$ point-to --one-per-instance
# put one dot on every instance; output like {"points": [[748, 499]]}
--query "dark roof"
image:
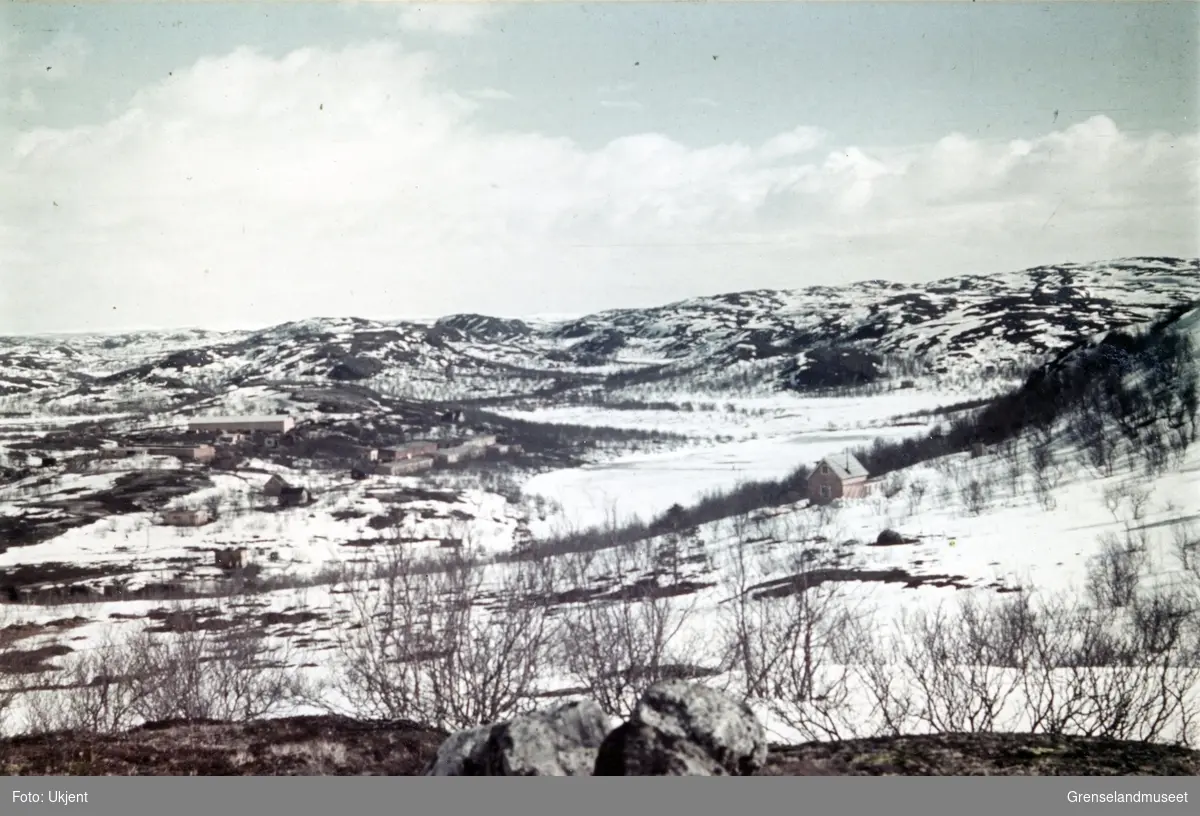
{"points": [[845, 466]]}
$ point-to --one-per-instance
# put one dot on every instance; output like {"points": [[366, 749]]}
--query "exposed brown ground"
{"points": [[339, 746]]}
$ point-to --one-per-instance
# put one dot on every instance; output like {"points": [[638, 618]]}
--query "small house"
{"points": [[977, 450], [232, 558], [274, 485], [402, 467], [186, 517], [195, 453], [481, 441], [837, 477], [409, 450], [294, 496], [454, 455]]}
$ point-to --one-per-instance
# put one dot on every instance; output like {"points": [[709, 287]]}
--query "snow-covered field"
{"points": [[645, 485], [768, 438], [296, 542]]}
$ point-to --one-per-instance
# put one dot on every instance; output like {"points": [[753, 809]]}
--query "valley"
{"points": [[643, 473]]}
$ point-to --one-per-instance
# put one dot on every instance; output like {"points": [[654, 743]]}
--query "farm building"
{"points": [[458, 453], [837, 477], [294, 496], [401, 467], [368, 454], [231, 558], [196, 453], [244, 424], [481, 441], [409, 450], [274, 485], [185, 517]]}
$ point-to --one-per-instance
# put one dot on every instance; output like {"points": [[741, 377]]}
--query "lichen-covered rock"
{"points": [[455, 753], [558, 742], [682, 729]]}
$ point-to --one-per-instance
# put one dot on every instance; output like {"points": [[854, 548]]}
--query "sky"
{"points": [[215, 165]]}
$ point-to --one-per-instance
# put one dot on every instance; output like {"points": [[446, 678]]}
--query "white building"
{"points": [[243, 424]]}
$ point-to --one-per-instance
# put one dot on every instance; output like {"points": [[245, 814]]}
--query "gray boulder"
{"points": [[558, 742], [682, 729]]}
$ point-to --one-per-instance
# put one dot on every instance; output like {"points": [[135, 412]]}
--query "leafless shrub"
{"points": [[1102, 676], [205, 667], [975, 494], [960, 666], [1014, 468], [743, 621], [96, 693], [1042, 665], [10, 684], [436, 645], [1115, 572], [197, 672], [1113, 495], [792, 654], [1161, 620], [1185, 542], [917, 489], [1043, 493], [814, 638], [1046, 471], [1127, 502], [1139, 502], [893, 485], [1127, 687], [632, 637], [884, 683]]}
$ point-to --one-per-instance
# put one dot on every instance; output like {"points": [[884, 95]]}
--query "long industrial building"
{"points": [[246, 424]]}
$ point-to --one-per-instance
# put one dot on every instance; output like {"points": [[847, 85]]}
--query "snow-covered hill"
{"points": [[793, 339]]}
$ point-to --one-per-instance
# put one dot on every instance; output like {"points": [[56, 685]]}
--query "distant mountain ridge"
{"points": [[797, 339]]}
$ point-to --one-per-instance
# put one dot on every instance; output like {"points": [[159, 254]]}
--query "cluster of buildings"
{"points": [[226, 430], [414, 457]]}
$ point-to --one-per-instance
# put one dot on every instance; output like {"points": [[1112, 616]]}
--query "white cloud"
{"points": [[621, 104], [786, 145], [23, 101], [249, 190], [449, 17], [492, 95]]}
